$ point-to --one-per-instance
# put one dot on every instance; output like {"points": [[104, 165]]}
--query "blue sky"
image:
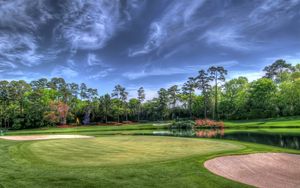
{"points": [[154, 43]]}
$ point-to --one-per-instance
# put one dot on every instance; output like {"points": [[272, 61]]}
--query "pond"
{"points": [[273, 139]]}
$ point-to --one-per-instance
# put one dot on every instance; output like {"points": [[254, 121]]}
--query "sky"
{"points": [[149, 43]]}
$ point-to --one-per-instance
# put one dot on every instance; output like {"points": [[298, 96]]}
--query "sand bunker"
{"points": [[260, 170], [43, 137]]}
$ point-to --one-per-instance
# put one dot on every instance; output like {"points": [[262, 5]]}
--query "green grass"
{"points": [[118, 161], [272, 131], [287, 122], [85, 129]]}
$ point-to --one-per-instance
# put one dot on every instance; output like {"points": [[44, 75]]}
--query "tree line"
{"points": [[207, 95]]}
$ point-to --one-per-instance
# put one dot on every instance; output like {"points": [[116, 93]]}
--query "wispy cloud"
{"points": [[63, 71], [20, 20], [91, 24], [19, 49], [93, 60], [170, 26], [18, 14], [146, 72], [227, 36], [270, 13], [250, 75], [103, 69], [101, 74]]}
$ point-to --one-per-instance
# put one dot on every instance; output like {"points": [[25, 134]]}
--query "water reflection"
{"points": [[204, 133], [286, 141]]}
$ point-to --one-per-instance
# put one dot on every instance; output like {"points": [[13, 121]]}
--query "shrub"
{"points": [[182, 125], [208, 123]]}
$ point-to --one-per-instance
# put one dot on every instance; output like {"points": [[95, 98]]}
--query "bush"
{"points": [[17, 124], [209, 123], [182, 125]]}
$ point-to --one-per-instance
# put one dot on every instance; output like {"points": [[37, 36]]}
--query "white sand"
{"points": [[42, 137], [275, 170]]}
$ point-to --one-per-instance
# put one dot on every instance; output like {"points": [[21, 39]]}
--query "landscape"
{"points": [[140, 93]]}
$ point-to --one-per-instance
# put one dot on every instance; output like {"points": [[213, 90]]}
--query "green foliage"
{"points": [[189, 124], [28, 105]]}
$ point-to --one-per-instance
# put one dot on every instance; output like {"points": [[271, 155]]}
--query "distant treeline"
{"points": [[51, 102]]}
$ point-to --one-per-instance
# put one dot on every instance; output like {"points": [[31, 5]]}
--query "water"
{"points": [[285, 141]]}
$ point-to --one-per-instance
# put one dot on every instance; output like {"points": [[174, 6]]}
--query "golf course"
{"points": [[149, 93], [120, 156]]}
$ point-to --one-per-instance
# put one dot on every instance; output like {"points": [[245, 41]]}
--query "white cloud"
{"points": [[93, 60], [18, 41], [90, 24], [19, 49], [227, 36], [174, 70], [17, 14], [157, 72], [292, 59], [101, 74], [63, 71], [250, 75], [269, 13], [177, 20]]}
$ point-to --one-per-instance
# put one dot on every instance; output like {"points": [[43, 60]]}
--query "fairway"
{"points": [[118, 150]]}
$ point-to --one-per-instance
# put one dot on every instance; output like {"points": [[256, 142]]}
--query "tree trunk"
{"points": [[139, 113], [215, 116], [190, 106], [205, 110]]}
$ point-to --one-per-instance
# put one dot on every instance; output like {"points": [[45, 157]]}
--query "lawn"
{"points": [[287, 122], [271, 131], [90, 129], [118, 161]]}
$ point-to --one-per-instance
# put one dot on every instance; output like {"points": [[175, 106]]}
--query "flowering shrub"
{"points": [[208, 123]]}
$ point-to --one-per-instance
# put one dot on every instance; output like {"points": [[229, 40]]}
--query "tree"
{"points": [[297, 67], [262, 98], [105, 102], [203, 84], [134, 105], [218, 75], [141, 98], [234, 98], [4, 99], [275, 70], [189, 89], [288, 98], [163, 103], [173, 92], [120, 93]]}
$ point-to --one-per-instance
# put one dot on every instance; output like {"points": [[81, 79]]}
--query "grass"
{"points": [[92, 129], [118, 161], [282, 131], [117, 150], [286, 122], [128, 161]]}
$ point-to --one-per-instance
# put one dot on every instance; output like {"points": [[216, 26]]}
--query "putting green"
{"points": [[116, 150]]}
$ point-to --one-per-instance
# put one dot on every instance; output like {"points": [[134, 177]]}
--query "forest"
{"points": [[53, 102]]}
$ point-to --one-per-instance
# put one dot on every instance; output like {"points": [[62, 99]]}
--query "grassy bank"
{"points": [[286, 122]]}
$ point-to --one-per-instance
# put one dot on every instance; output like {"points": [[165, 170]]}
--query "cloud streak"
{"points": [[171, 26], [89, 25]]}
